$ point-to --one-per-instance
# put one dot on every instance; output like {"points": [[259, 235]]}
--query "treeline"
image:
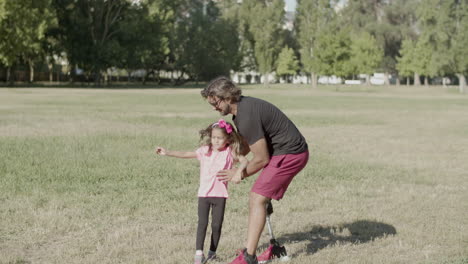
{"points": [[201, 39]]}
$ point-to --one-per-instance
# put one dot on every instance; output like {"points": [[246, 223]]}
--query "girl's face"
{"points": [[218, 139]]}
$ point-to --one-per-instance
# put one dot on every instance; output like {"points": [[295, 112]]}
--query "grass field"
{"points": [[387, 181]]}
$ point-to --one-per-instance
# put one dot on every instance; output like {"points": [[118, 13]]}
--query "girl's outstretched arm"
{"points": [[177, 154]]}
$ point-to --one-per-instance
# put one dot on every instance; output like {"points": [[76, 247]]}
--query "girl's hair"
{"points": [[233, 138]]}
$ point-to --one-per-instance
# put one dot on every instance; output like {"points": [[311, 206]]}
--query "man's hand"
{"points": [[226, 175], [237, 178]]}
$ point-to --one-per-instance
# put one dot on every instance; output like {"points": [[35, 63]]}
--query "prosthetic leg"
{"points": [[274, 250]]}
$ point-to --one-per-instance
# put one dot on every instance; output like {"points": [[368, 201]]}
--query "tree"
{"points": [[312, 18], [206, 45], [144, 38], [89, 32], [334, 53], [387, 21], [287, 63], [399, 25], [247, 42], [406, 60], [459, 48], [421, 61], [431, 38], [264, 20], [366, 55], [446, 31], [23, 25]]}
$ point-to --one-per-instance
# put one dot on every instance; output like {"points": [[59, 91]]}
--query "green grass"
{"points": [[79, 181]]}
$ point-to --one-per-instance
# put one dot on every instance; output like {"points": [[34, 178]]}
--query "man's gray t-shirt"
{"points": [[257, 119]]}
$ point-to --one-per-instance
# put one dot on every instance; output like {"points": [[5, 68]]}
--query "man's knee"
{"points": [[258, 199]]}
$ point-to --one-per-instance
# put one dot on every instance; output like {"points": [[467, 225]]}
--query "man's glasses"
{"points": [[215, 103]]}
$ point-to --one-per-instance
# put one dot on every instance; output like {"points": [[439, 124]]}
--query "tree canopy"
{"points": [[201, 39]]}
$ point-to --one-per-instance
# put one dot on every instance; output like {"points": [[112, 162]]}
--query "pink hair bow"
{"points": [[223, 124]]}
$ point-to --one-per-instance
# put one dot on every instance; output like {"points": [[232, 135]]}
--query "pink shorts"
{"points": [[278, 174]]}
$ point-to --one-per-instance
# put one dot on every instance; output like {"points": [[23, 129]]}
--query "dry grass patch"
{"points": [[79, 182]]}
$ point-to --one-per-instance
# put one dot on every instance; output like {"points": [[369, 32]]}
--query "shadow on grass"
{"points": [[320, 237]]}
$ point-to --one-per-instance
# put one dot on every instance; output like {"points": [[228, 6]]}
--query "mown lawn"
{"points": [[387, 181]]}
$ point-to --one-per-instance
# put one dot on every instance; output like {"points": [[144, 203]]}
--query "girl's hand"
{"points": [[161, 151]]}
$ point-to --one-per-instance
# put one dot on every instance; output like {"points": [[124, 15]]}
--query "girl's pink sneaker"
{"points": [[211, 255], [199, 259]]}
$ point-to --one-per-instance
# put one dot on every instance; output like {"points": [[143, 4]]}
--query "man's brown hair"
{"points": [[223, 88]]}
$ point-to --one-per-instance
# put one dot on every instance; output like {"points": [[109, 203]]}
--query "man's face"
{"points": [[219, 105]]}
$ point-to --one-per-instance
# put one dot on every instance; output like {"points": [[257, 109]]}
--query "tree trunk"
{"points": [[158, 77], [368, 80], [426, 81], [72, 74], [417, 81], [179, 81], [386, 78], [59, 70], [444, 82], [462, 81], [11, 75], [106, 78], [144, 78], [265, 80], [398, 83], [50, 67], [31, 71], [97, 78], [314, 80], [8, 73], [407, 81]]}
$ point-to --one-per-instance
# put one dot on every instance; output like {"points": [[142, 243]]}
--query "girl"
{"points": [[220, 149]]}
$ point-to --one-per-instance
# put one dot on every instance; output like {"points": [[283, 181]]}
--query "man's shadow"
{"points": [[320, 237]]}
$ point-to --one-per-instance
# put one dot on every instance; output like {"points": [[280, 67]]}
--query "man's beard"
{"points": [[226, 111]]}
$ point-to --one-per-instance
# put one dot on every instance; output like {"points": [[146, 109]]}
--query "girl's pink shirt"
{"points": [[210, 186]]}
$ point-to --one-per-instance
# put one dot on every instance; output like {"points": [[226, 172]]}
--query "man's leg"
{"points": [[257, 216]]}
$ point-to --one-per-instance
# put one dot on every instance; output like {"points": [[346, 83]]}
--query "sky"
{"points": [[290, 5]]}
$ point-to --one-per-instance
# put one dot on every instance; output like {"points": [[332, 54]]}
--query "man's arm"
{"points": [[260, 159], [245, 147], [240, 171]]}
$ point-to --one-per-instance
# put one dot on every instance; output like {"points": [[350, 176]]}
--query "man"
{"points": [[277, 147]]}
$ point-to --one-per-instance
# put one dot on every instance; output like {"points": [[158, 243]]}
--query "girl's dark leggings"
{"points": [[217, 206]]}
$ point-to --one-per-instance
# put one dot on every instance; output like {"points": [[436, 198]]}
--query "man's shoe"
{"points": [[266, 256], [244, 258]]}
